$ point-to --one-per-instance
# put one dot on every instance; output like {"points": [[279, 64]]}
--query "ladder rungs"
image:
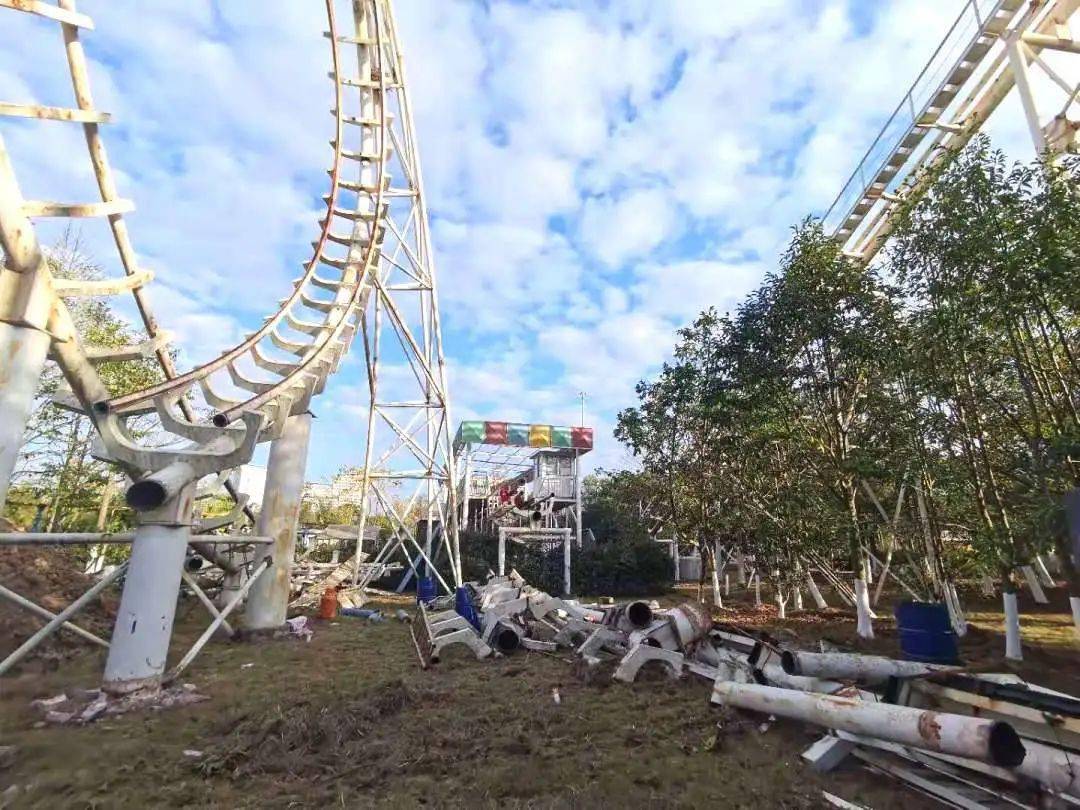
{"points": [[137, 351], [41, 208], [347, 40], [49, 11], [108, 286], [54, 113]]}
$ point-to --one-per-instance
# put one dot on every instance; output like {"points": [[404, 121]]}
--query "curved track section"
{"points": [[275, 371]]}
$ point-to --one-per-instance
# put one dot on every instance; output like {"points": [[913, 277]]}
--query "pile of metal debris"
{"points": [[969, 740]]}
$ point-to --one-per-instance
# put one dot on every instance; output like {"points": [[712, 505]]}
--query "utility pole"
{"points": [[582, 395]]}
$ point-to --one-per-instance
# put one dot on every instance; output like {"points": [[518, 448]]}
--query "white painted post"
{"points": [[727, 584], [1033, 583], [577, 501], [819, 600], [502, 553], [143, 628], [716, 574], [566, 563], [22, 353], [1043, 572], [1013, 648], [757, 589], [1019, 65], [268, 599], [26, 301]]}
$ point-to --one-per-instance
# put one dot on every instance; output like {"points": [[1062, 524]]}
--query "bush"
{"points": [[623, 568]]}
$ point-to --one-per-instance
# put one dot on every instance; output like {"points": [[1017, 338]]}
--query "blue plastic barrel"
{"points": [[926, 633], [426, 589], [464, 606]]}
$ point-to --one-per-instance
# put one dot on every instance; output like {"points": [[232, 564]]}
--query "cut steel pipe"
{"points": [[155, 490], [872, 670], [986, 740]]}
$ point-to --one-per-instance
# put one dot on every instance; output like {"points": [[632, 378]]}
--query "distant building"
{"points": [[345, 488]]}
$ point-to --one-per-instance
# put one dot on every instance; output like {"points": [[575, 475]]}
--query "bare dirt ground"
{"points": [[350, 720]]}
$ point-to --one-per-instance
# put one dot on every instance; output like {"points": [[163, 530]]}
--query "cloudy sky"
{"points": [[597, 171]]}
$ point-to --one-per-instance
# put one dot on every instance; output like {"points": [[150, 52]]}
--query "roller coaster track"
{"points": [[985, 54], [323, 326], [371, 260]]}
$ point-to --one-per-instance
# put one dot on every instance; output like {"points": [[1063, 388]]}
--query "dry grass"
{"points": [[350, 720]]}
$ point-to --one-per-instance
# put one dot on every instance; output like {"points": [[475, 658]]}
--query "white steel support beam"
{"points": [[140, 639], [1019, 64], [26, 301], [268, 600]]}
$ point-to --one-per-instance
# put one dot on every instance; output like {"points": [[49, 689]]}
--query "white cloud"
{"points": [[597, 172]]}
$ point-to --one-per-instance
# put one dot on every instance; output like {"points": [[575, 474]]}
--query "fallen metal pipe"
{"points": [[1055, 768], [505, 638], [692, 622], [57, 621], [986, 740], [775, 675], [867, 669], [48, 615], [98, 538], [639, 614]]}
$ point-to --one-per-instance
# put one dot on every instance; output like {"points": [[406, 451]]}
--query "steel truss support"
{"points": [[408, 440]]}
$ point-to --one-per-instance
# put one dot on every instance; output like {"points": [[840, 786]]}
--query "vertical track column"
{"points": [[143, 628], [26, 302], [22, 358], [268, 600]]}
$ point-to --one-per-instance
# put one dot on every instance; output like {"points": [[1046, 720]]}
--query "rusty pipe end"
{"points": [[1006, 748], [220, 420]]}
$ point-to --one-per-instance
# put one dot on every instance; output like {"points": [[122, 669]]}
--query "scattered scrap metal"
{"points": [[968, 740]]}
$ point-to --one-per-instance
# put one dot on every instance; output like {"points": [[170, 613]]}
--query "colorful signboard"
{"points": [[519, 435]]}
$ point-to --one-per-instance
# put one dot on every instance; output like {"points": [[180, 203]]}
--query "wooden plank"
{"points": [[41, 208], [54, 113], [50, 12]]}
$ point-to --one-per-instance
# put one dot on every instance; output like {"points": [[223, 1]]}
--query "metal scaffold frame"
{"points": [[212, 417]]}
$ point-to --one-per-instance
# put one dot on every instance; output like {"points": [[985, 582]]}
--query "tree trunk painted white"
{"points": [[868, 570], [798, 598], [1013, 649], [757, 589], [1074, 603], [741, 568], [865, 627], [819, 600], [1044, 575], [716, 574], [727, 584], [956, 611], [781, 604], [1033, 584]]}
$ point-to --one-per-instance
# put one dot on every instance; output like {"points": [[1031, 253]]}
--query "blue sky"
{"points": [[597, 172]]}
